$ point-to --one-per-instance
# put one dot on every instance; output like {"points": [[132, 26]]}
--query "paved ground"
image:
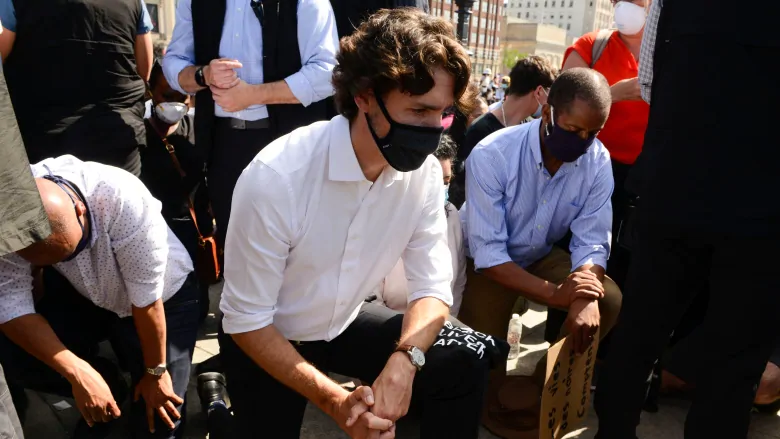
{"points": [[46, 421]]}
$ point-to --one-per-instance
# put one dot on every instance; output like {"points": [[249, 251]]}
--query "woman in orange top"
{"points": [[624, 132]]}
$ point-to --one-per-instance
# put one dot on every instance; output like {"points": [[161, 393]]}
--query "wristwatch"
{"points": [[157, 371], [199, 78], [416, 356]]}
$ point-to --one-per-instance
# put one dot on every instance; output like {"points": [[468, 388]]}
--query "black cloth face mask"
{"points": [[405, 147], [63, 184]]}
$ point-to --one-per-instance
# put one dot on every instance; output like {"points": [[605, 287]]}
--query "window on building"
{"points": [[545, 4], [528, 5], [154, 14], [526, 14], [568, 26], [536, 4], [473, 38], [591, 4], [553, 4], [571, 3], [519, 14], [569, 17], [560, 25]]}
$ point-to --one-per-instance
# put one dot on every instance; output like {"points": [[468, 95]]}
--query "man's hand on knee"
{"points": [[578, 285], [93, 396], [583, 323]]}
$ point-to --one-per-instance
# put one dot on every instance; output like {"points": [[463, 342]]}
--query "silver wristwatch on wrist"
{"points": [[158, 370], [416, 355]]}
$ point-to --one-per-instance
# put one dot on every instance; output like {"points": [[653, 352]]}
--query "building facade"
{"points": [[484, 33], [526, 38], [577, 17], [163, 15]]}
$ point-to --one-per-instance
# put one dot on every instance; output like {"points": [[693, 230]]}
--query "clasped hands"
{"points": [[229, 91], [579, 294], [371, 412]]}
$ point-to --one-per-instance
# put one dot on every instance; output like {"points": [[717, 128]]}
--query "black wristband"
{"points": [[199, 78]]}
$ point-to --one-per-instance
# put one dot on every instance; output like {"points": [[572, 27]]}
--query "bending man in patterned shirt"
{"points": [[113, 271]]}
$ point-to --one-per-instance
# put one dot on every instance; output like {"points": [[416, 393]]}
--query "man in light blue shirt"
{"points": [[259, 69], [526, 187]]}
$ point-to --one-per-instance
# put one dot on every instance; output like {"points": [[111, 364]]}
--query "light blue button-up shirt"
{"points": [[242, 39], [515, 211]]}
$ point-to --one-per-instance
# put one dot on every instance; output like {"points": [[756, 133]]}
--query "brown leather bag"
{"points": [[206, 261]]}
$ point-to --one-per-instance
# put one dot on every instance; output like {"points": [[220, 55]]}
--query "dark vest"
{"points": [[280, 32], [72, 77]]}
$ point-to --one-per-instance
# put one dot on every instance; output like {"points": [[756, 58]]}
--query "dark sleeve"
{"points": [[474, 135], [23, 220]]}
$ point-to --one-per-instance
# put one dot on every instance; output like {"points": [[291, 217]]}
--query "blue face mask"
{"points": [[538, 112], [566, 146], [63, 183]]}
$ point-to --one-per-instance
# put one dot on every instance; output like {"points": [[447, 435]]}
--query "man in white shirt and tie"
{"points": [[113, 271], [320, 217]]}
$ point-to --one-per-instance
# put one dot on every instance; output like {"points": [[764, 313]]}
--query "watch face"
{"points": [[418, 358]]}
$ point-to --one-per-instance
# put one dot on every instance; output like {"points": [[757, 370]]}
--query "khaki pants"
{"points": [[487, 306]]}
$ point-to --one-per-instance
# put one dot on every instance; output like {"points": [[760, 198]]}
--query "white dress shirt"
{"points": [[393, 291], [310, 237], [133, 257]]}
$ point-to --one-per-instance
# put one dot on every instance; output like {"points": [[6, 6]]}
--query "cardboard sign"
{"points": [[566, 394]]}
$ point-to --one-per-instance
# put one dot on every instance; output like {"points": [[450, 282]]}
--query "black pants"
{"points": [[668, 270], [232, 152], [448, 390], [80, 325], [617, 267]]}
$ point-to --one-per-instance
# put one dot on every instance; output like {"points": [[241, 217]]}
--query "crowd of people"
{"points": [[375, 212]]}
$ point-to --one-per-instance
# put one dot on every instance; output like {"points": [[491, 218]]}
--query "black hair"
{"points": [[447, 149], [529, 73], [582, 84]]}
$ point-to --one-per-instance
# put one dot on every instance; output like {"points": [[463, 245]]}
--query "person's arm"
{"points": [[8, 30], [486, 177], [590, 243], [32, 333], [179, 60], [317, 43], [625, 90], [428, 267], [143, 44], [592, 228], [137, 228], [144, 55]]}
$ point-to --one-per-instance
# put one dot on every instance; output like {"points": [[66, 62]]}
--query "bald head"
{"points": [[581, 84], [64, 220]]}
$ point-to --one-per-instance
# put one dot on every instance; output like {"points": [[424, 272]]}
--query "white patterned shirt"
{"points": [[132, 259]]}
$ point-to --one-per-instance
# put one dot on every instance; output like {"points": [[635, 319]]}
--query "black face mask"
{"points": [[566, 146], [85, 237], [405, 147]]}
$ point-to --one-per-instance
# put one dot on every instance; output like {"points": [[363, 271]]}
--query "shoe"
{"points": [[211, 389], [213, 364]]}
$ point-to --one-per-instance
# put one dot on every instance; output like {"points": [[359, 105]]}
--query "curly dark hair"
{"points": [[398, 49], [447, 150]]}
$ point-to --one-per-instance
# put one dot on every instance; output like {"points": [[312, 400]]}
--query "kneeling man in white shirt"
{"points": [[320, 217]]}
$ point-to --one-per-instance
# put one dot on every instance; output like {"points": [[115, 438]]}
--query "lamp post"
{"points": [[464, 16]]}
